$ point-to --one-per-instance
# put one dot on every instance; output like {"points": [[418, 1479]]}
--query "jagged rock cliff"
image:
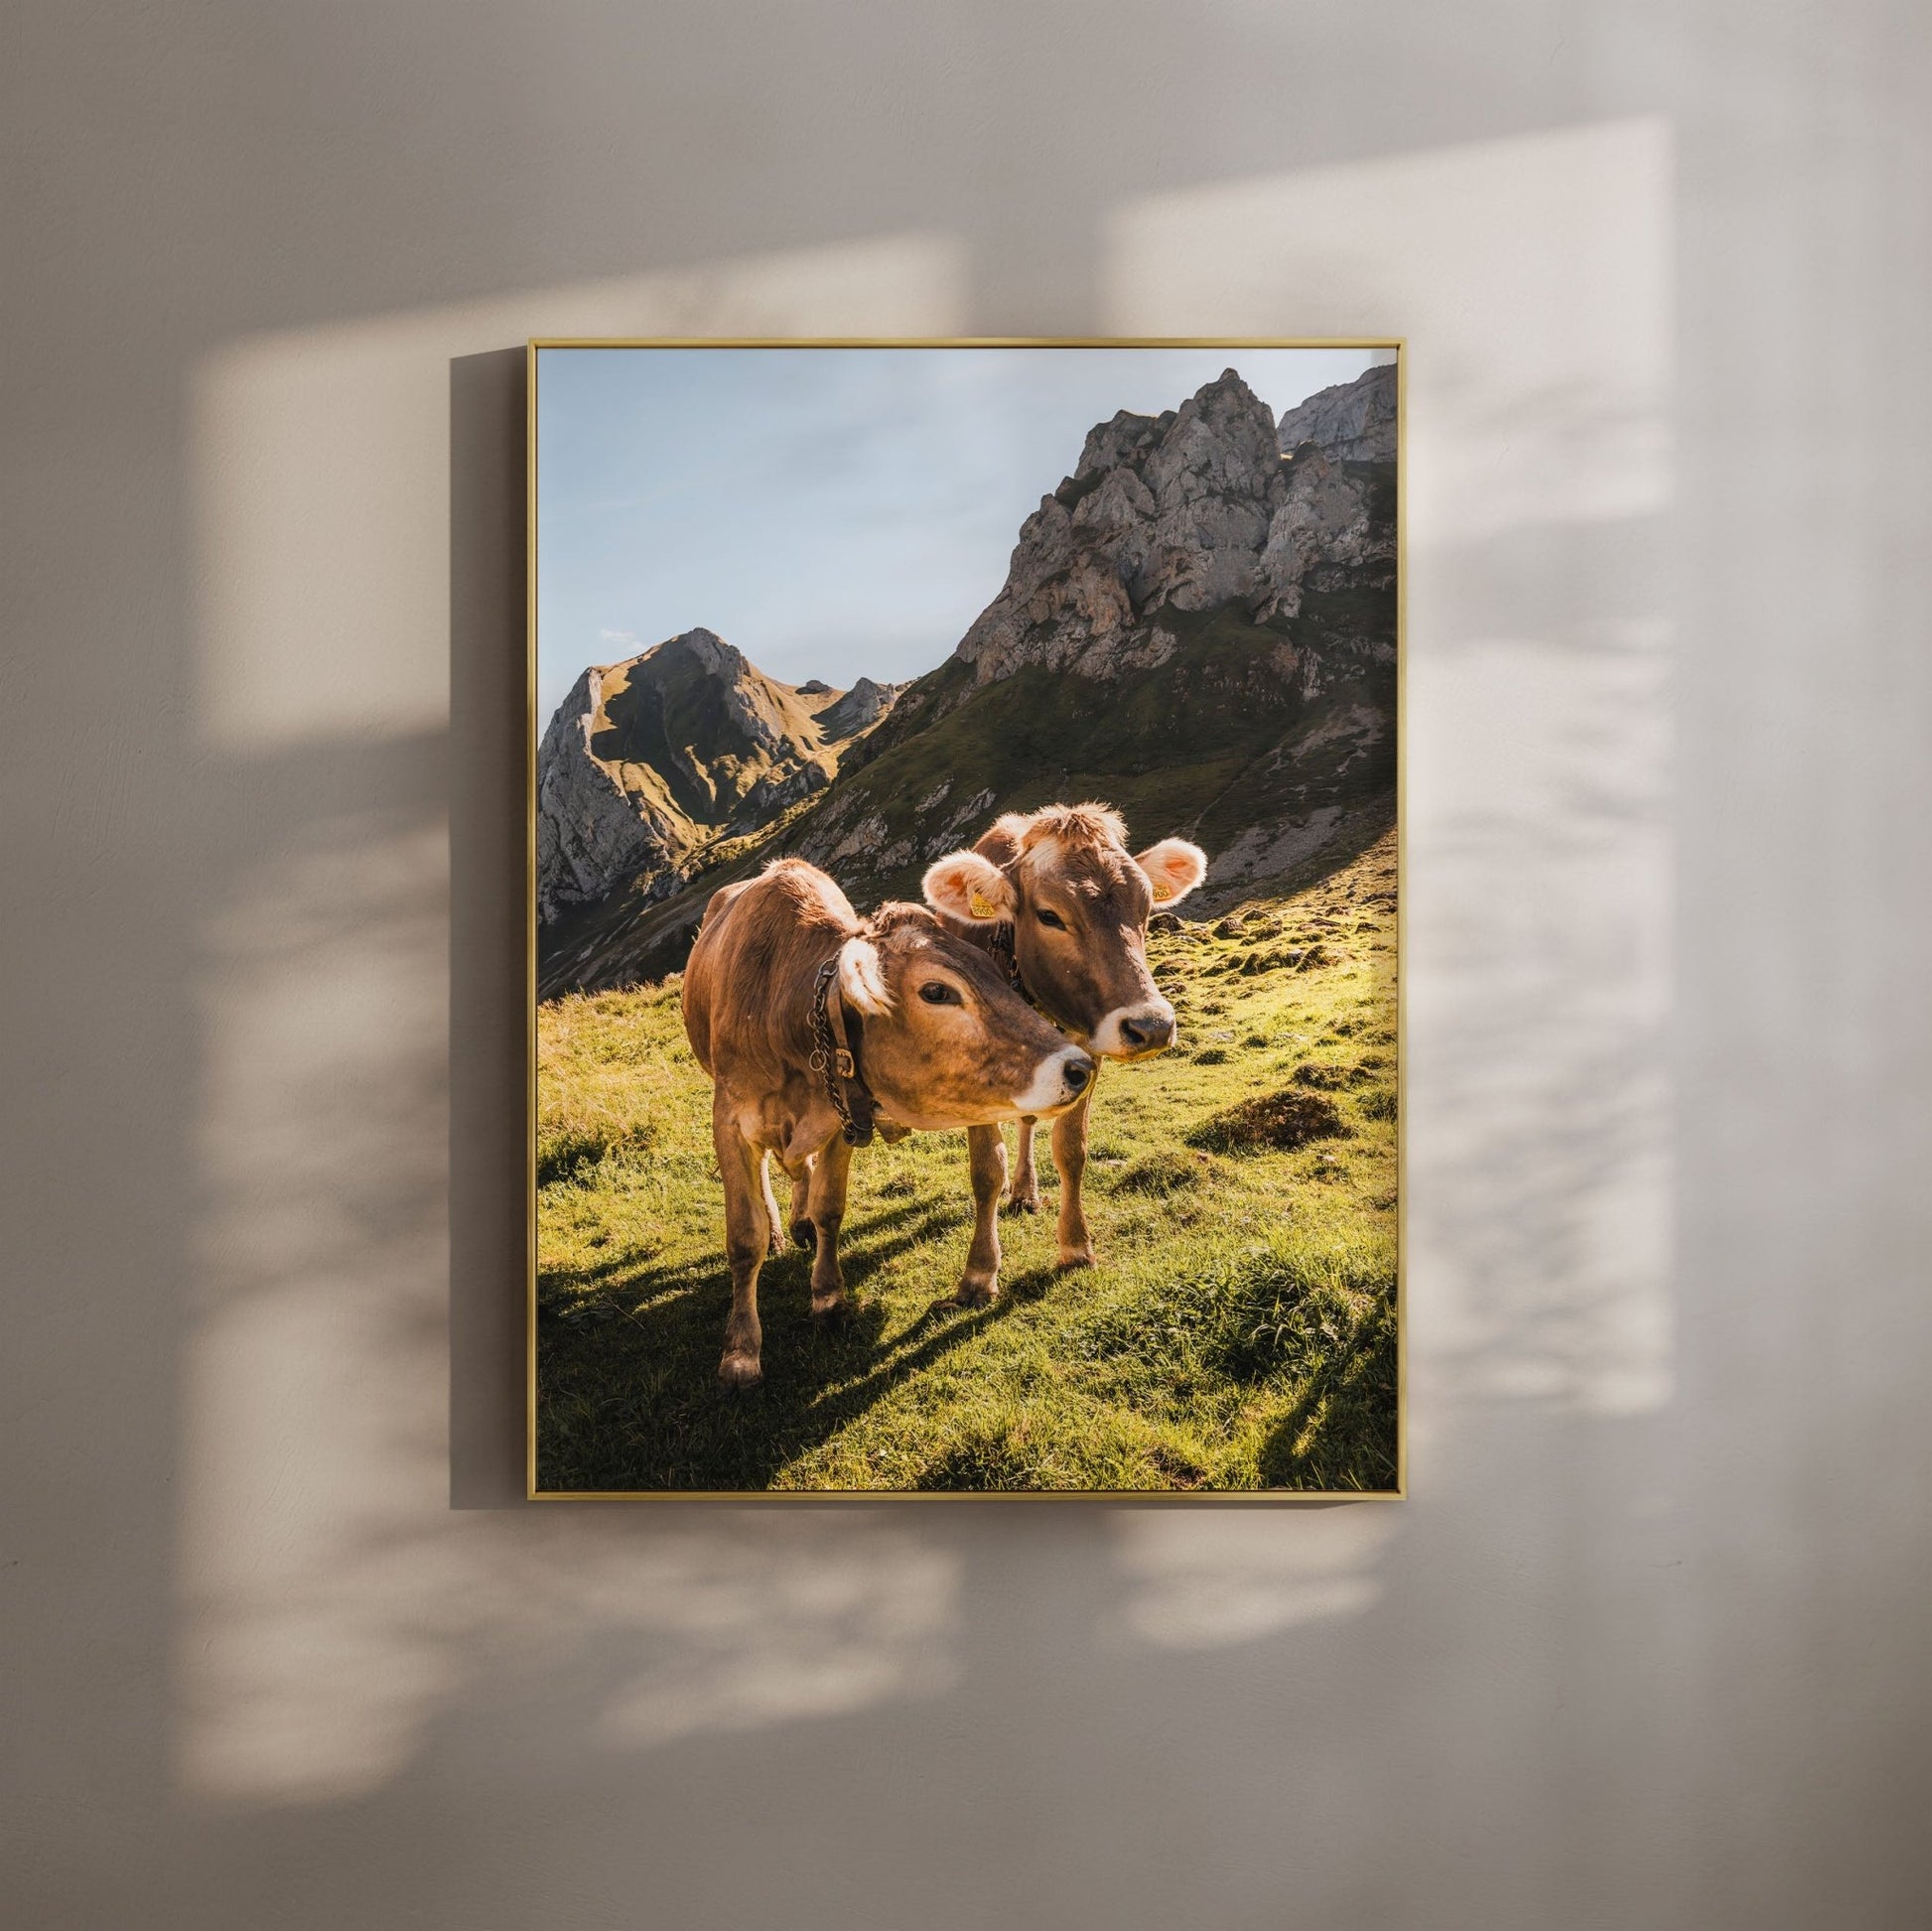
{"points": [[1353, 422], [651, 762], [1191, 510]]}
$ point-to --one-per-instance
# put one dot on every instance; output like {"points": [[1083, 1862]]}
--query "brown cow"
{"points": [[808, 1020], [1056, 895]]}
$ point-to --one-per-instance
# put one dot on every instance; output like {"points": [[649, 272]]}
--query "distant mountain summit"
{"points": [[1353, 420], [1195, 625], [1191, 511], [651, 762]]}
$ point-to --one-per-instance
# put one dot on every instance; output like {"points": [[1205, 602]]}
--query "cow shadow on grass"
{"points": [[932, 1218], [628, 1389]]}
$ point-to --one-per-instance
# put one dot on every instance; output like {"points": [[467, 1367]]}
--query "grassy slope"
{"points": [[1187, 746], [1238, 1332]]}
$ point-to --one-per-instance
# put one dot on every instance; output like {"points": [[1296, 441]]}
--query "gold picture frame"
{"points": [[533, 727]]}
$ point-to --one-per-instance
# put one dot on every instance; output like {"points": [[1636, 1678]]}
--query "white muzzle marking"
{"points": [[1155, 1015], [1052, 1087]]}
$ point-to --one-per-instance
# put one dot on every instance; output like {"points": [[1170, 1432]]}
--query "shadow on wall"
{"points": [[351, 1647]]}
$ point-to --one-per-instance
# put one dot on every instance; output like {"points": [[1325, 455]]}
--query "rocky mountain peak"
{"points": [[1188, 510], [712, 654], [1221, 438], [649, 761], [1349, 422]]}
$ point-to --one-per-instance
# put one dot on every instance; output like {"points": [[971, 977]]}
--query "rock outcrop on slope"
{"points": [[1186, 511], [1352, 422], [854, 713], [650, 762]]}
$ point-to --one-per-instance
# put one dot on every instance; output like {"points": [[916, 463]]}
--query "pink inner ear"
{"points": [[968, 886], [1175, 868]]}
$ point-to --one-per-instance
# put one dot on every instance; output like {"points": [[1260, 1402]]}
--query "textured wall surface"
{"points": [[1646, 1648]]}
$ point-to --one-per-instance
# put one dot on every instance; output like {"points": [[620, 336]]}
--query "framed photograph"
{"points": [[965, 894]]}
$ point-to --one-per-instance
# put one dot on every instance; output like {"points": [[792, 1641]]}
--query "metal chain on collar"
{"points": [[830, 1061]]}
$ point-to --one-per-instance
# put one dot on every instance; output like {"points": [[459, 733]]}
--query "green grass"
{"points": [[1237, 1334]]}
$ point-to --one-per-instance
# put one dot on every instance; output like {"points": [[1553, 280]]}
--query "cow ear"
{"points": [[1173, 868], [971, 889], [862, 979]]}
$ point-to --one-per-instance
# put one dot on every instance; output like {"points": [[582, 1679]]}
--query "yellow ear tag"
{"points": [[981, 906], [1163, 892]]}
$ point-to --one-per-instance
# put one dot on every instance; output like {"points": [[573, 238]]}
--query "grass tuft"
{"points": [[1320, 1075], [1165, 1171]]}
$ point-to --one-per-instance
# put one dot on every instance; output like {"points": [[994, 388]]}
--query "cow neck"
{"points": [[836, 1039], [1004, 943]]}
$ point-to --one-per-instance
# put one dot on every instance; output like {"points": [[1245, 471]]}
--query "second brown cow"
{"points": [[1059, 898], [811, 1020]]}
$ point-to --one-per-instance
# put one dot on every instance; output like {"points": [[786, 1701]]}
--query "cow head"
{"points": [[948, 1042], [1078, 902]]}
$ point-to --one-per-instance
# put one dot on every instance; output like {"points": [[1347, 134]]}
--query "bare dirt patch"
{"points": [[1279, 1120]]}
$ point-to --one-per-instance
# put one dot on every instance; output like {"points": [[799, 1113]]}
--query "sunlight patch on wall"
{"points": [[316, 1621], [745, 1641], [333, 1606], [1531, 278], [1203, 1581], [321, 482]]}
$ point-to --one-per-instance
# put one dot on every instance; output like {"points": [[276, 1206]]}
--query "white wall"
{"points": [[1646, 1647]]}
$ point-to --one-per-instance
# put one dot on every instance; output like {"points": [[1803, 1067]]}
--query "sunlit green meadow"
{"points": [[1239, 1331]]}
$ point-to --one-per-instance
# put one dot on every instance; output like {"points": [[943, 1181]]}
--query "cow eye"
{"points": [[935, 991], [1051, 919]]}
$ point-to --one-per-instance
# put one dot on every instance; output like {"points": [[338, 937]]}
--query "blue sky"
{"points": [[831, 512]]}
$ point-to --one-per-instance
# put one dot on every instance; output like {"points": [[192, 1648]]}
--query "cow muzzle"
{"points": [[1062, 1077], [1135, 1032]]}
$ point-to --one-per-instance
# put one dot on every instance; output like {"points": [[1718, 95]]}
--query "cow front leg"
{"points": [[1022, 1197], [1071, 1157], [777, 1246], [980, 1284], [826, 1204], [747, 1237]]}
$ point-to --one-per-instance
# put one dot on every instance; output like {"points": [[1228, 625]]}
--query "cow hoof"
{"points": [[1022, 1203], [1076, 1257], [972, 1293], [777, 1248], [803, 1236], [738, 1373], [829, 1307]]}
